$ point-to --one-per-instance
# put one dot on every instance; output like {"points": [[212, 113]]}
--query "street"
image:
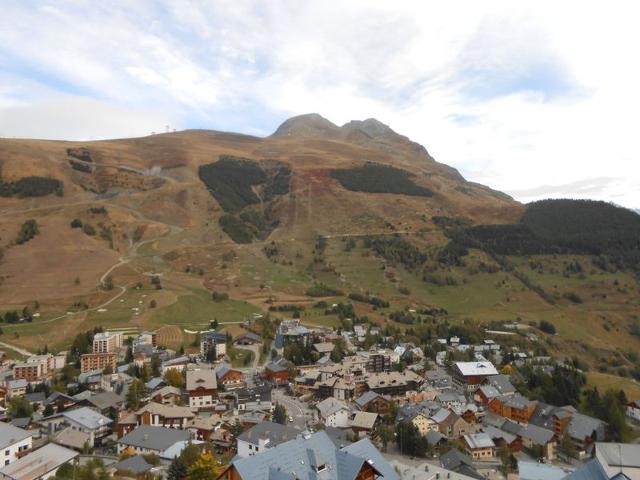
{"points": [[301, 414]]}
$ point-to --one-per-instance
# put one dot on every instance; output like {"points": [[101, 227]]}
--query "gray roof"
{"points": [[35, 397], [329, 406], [136, 465], [366, 397], [10, 435], [541, 471], [154, 383], [301, 457], [274, 432], [106, 400], [340, 437], [38, 463], [454, 459], [495, 433], [539, 435], [201, 379], [502, 383], [591, 470], [434, 437], [154, 438], [583, 426], [88, 418]]}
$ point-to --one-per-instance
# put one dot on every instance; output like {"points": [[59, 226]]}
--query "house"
{"points": [[291, 331], [276, 372], [14, 443], [582, 429], [176, 449], [39, 464], [107, 403], [451, 424], [155, 383], [503, 438], [364, 423], [16, 388], [228, 377], [371, 401], [179, 363], [528, 470], [60, 401], [309, 456], [248, 338], [435, 439], [167, 395], [324, 348], [538, 438], [130, 467], [83, 419], [333, 412], [471, 375], [460, 463], [151, 439], [159, 415], [633, 410], [213, 345], [485, 394], [262, 436], [611, 461], [202, 428], [394, 383], [480, 446], [502, 383], [514, 407], [74, 439], [423, 423], [202, 388]]}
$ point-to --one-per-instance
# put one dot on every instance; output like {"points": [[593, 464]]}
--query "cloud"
{"points": [[514, 94], [78, 118]]}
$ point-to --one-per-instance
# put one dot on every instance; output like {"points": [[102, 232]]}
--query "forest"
{"points": [[376, 178], [30, 187]]}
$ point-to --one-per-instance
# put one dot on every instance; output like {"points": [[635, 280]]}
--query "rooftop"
{"points": [[469, 369], [38, 463]]}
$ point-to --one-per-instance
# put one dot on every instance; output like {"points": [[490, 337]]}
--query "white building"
{"points": [[262, 436], [39, 464], [334, 413], [14, 443], [633, 410], [107, 342]]}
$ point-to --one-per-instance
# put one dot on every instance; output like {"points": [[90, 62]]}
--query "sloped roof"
{"points": [[329, 406], [136, 465], [274, 432], [72, 438], [201, 379], [84, 416], [364, 420], [154, 438], [10, 434], [38, 463]]}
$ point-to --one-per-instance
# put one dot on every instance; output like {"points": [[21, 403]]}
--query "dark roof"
{"points": [[22, 422], [338, 436], [249, 336], [154, 438], [275, 432], [454, 458], [35, 397], [136, 465], [55, 396]]}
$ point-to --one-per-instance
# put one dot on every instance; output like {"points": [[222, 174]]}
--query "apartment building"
{"points": [[107, 342]]}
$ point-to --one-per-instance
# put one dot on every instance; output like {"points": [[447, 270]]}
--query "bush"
{"points": [[322, 290], [88, 229], [547, 327], [28, 230], [573, 297], [76, 223], [219, 296]]}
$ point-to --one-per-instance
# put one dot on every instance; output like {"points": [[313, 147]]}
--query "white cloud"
{"points": [[517, 95]]}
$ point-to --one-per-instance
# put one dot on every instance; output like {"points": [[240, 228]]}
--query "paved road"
{"points": [[300, 412], [253, 369]]}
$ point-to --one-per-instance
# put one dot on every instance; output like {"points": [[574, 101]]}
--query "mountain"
{"points": [[139, 233]]}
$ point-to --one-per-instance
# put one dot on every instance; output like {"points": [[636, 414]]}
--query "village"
{"points": [[385, 411]]}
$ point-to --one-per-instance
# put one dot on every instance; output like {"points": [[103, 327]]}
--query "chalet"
{"points": [[310, 455], [262, 436], [480, 446], [364, 423], [505, 439], [371, 401], [534, 437], [228, 377], [202, 388], [394, 383], [167, 395], [276, 372], [471, 375], [152, 439], [42, 463], [14, 443], [333, 413], [451, 424], [82, 419], [202, 428], [514, 407], [169, 416]]}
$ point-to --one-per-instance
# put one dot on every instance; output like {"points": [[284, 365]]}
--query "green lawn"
{"points": [[196, 309], [239, 357]]}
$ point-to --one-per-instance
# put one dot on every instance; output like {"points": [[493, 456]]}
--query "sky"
{"points": [[537, 99]]}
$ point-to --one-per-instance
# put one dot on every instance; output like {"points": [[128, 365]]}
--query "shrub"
{"points": [[547, 327], [322, 290], [88, 229], [76, 223], [30, 187], [28, 230], [219, 296]]}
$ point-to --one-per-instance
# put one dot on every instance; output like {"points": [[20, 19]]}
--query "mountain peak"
{"points": [[307, 125]]}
